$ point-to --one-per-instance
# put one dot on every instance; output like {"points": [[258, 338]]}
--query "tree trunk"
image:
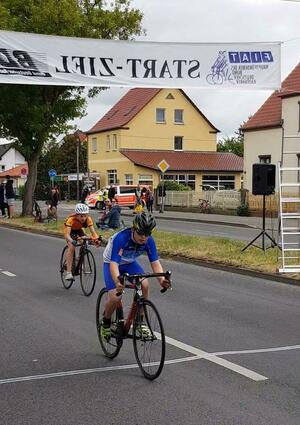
{"points": [[30, 185]]}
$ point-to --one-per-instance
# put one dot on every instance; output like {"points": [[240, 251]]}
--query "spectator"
{"points": [[111, 192], [10, 196], [150, 200], [111, 220], [3, 204], [85, 193], [54, 200]]}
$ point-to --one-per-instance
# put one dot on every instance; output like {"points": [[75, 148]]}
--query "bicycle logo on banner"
{"points": [[219, 71]]}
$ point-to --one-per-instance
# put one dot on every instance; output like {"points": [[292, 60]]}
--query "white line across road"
{"points": [[7, 273], [215, 359]]}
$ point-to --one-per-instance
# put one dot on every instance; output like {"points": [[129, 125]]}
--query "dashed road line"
{"points": [[8, 273]]}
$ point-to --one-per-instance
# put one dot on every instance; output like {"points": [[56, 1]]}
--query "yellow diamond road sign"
{"points": [[163, 166]]}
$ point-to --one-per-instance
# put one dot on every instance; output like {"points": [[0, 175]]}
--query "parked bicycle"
{"points": [[84, 266], [204, 205], [149, 349]]}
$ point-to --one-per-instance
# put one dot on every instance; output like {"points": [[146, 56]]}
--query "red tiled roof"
{"points": [[129, 106], [186, 161], [269, 114], [14, 172], [124, 110]]}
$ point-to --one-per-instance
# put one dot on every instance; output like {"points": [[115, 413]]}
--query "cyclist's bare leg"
{"points": [[69, 256], [111, 303], [145, 288]]}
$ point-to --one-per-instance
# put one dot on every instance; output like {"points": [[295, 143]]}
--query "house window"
{"points": [[160, 115], [178, 141], [108, 143], [114, 142], [178, 116], [128, 179], [186, 179], [2, 167], [145, 179], [264, 159], [112, 176], [94, 145], [218, 182]]}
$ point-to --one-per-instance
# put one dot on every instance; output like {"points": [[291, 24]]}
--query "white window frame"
{"points": [[112, 176], [94, 144], [114, 142], [107, 143], [158, 119], [128, 178], [264, 159], [178, 137], [180, 120]]}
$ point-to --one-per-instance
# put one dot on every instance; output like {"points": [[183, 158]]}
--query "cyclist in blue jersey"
{"points": [[120, 257]]}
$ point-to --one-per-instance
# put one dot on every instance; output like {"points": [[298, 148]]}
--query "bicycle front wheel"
{"points": [[88, 273], [110, 346], [149, 340], [63, 268]]}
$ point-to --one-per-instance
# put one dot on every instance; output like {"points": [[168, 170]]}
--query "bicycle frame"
{"points": [[138, 298]]}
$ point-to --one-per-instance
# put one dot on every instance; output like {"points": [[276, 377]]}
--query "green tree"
{"points": [[232, 144], [34, 115]]}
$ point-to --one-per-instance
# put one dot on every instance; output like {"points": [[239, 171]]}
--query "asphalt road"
{"points": [[185, 227], [232, 353]]}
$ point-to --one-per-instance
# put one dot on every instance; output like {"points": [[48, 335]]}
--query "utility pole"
{"points": [[77, 162]]}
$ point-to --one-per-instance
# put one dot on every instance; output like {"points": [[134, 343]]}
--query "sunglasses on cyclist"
{"points": [[143, 233]]}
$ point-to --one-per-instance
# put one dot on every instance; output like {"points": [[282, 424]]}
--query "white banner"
{"points": [[52, 60]]}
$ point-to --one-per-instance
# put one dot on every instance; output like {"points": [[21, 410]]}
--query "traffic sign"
{"points": [[52, 173], [163, 166], [23, 173]]}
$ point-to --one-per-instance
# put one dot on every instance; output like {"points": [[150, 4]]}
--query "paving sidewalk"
{"points": [[228, 220]]}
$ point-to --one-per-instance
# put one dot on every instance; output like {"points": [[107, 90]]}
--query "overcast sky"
{"points": [[215, 21]]}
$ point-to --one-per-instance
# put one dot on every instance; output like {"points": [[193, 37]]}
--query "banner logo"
{"points": [[20, 62], [239, 68]]}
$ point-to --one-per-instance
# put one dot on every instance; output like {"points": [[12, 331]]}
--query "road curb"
{"points": [[198, 220], [203, 263]]}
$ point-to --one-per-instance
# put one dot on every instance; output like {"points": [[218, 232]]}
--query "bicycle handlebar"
{"points": [[126, 276]]}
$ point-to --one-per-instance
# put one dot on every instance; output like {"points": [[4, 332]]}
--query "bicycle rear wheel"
{"points": [[88, 273], [149, 349], [63, 268], [112, 346]]}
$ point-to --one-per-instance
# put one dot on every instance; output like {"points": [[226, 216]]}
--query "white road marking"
{"points": [[259, 350], [215, 359], [85, 371], [8, 273]]}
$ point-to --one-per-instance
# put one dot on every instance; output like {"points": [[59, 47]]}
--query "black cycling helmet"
{"points": [[144, 223]]}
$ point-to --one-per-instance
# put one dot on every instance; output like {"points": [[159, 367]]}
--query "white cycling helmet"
{"points": [[81, 209]]}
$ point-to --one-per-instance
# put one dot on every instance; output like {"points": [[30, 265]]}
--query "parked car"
{"points": [[125, 194]]}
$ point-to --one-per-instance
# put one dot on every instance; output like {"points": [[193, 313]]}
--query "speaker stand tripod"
{"points": [[263, 234]]}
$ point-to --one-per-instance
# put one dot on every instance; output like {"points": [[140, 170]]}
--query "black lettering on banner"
{"points": [[24, 59], [179, 63], [79, 64], [92, 66], [165, 69], [64, 64], [6, 60], [149, 66], [194, 68], [107, 68], [133, 66]]}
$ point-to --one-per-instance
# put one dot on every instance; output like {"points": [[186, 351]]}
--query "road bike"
{"points": [[149, 348], [84, 266], [204, 205]]}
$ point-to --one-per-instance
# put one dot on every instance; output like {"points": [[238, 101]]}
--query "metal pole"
{"points": [[77, 161], [162, 192]]}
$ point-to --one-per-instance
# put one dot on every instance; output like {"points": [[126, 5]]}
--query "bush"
{"points": [[172, 185], [243, 210]]}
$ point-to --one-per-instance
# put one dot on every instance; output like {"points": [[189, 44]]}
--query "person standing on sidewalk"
{"points": [[3, 204], [10, 196]]}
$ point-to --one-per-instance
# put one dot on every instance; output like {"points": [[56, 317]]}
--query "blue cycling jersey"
{"points": [[122, 249]]}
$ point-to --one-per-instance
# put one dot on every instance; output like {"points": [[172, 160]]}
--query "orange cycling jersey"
{"points": [[73, 222]]}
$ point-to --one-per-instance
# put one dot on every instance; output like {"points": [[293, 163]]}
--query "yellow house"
{"points": [[149, 125]]}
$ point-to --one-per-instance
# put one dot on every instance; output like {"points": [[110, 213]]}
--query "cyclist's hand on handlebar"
{"points": [[164, 283], [74, 242]]}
